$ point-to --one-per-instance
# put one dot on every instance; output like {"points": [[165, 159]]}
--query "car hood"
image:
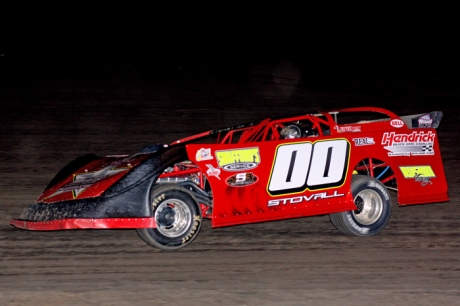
{"points": [[89, 176]]}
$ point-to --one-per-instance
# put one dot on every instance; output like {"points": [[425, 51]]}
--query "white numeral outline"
{"points": [[305, 165]]}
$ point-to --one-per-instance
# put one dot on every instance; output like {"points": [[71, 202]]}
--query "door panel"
{"points": [[274, 180]]}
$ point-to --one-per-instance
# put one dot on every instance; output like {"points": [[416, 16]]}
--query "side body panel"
{"points": [[415, 158], [275, 180], [272, 180]]}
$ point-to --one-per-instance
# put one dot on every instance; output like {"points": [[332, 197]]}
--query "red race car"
{"points": [[341, 163]]}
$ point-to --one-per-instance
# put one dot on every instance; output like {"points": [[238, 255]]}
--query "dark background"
{"points": [[372, 43], [84, 83]]}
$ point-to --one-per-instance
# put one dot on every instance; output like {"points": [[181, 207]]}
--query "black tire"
{"points": [[374, 208], [177, 216]]}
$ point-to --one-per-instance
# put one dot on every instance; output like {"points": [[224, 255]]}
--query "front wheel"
{"points": [[177, 217], [373, 211]]}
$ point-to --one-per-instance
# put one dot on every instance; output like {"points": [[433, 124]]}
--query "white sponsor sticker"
{"points": [[397, 123]]}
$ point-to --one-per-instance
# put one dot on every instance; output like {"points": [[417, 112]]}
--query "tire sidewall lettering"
{"points": [[157, 200], [195, 226], [359, 228]]}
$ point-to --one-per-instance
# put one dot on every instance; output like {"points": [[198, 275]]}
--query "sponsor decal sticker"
{"points": [[81, 181], [353, 129], [415, 143], [425, 121], [413, 171], [238, 159], [422, 174], [397, 123], [364, 141], [301, 199], [305, 165], [203, 154], [241, 179], [213, 171]]}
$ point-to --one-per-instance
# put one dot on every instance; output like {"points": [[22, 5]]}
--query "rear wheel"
{"points": [[177, 217], [373, 208]]}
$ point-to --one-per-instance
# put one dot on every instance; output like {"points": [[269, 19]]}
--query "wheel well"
{"points": [[378, 169]]}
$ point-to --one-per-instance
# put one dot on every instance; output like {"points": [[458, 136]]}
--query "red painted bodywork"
{"points": [[65, 224], [250, 191], [249, 204], [100, 175]]}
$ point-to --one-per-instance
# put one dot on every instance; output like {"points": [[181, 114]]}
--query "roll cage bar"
{"points": [[322, 123]]}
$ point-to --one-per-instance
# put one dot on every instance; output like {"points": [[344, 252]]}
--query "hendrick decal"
{"points": [[413, 144]]}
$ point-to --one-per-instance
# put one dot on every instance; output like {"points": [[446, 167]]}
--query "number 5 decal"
{"points": [[301, 166]]}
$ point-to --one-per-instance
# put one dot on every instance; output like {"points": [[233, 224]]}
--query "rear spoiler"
{"points": [[427, 120]]}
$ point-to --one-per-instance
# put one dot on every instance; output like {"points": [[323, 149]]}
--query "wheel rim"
{"points": [[173, 218], [370, 207]]}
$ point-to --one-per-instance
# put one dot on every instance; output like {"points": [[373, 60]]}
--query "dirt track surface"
{"points": [[45, 124]]}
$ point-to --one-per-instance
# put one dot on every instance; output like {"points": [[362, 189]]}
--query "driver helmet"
{"points": [[290, 131]]}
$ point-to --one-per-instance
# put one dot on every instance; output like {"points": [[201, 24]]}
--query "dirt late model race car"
{"points": [[338, 163]]}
